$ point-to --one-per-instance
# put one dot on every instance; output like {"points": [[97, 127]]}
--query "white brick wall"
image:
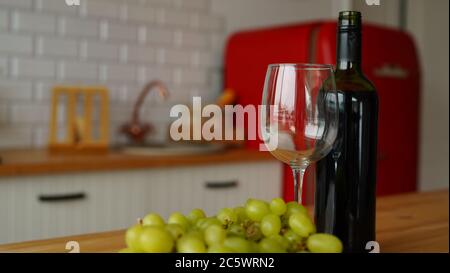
{"points": [[176, 57], [158, 72], [17, 3], [74, 27], [100, 8], [14, 43], [56, 47], [140, 54], [32, 68], [33, 22], [118, 73], [175, 18], [3, 19], [156, 35], [120, 32], [191, 77], [122, 44], [56, 6], [99, 51], [141, 14], [202, 5], [3, 66], [16, 136], [15, 90], [76, 70], [192, 39]]}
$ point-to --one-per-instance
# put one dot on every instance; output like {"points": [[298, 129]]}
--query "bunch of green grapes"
{"points": [[257, 227]]}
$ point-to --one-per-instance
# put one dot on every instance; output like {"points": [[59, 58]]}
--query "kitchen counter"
{"points": [[34, 162], [415, 222]]}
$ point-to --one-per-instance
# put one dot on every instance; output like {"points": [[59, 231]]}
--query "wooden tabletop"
{"points": [[35, 162], [416, 222]]}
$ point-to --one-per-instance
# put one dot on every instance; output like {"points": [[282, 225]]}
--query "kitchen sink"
{"points": [[171, 149]]}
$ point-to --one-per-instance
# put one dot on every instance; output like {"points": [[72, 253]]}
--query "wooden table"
{"points": [[416, 222]]}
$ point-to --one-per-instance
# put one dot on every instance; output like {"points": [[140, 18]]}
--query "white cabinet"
{"points": [[39, 207]]}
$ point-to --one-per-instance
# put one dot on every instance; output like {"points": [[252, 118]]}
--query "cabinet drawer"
{"points": [[228, 186], [40, 207]]}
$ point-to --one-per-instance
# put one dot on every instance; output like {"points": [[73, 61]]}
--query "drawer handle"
{"points": [[222, 185], [62, 197]]}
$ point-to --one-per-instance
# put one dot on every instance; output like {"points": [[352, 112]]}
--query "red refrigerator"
{"points": [[390, 61]]}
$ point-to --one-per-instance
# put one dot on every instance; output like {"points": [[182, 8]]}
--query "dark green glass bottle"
{"points": [[346, 177]]}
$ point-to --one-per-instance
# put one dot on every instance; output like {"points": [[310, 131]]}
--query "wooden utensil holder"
{"points": [[79, 137]]}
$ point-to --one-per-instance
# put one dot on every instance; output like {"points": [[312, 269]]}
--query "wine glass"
{"points": [[299, 117]]}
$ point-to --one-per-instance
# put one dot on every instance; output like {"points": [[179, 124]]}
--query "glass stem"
{"points": [[298, 173]]}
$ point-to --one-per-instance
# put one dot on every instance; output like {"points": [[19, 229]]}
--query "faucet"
{"points": [[135, 130]]}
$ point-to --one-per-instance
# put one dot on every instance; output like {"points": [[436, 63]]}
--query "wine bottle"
{"points": [[346, 177]]}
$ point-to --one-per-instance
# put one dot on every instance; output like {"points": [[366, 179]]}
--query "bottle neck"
{"points": [[349, 50]]}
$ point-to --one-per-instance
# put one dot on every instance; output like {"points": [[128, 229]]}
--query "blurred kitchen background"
{"points": [[125, 44]]}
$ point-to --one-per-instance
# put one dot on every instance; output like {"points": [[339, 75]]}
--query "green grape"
{"points": [[227, 216], [195, 215], [175, 230], [208, 222], [155, 239], [200, 222], [281, 240], [299, 209], [219, 248], [214, 235], [180, 219], [258, 200], [195, 233], [256, 209], [254, 247], [292, 237], [296, 242], [294, 207], [278, 206], [291, 204], [270, 224], [127, 250], [324, 243], [301, 224], [252, 228], [241, 215], [153, 219], [132, 237], [237, 244], [253, 232], [213, 221], [190, 244], [247, 223], [236, 230], [270, 245]]}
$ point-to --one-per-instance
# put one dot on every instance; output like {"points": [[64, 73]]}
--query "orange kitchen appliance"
{"points": [[83, 113]]}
